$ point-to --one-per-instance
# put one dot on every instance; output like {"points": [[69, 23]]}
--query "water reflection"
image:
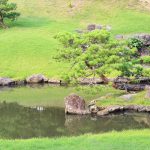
{"points": [[23, 122]]}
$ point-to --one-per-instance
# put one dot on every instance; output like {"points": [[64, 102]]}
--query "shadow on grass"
{"points": [[29, 22]]}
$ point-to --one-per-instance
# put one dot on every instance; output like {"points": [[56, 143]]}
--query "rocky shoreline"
{"points": [[120, 83], [75, 105]]}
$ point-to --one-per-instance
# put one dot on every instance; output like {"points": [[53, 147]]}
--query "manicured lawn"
{"points": [[126, 140], [28, 46]]}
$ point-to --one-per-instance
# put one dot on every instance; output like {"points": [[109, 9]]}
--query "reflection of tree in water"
{"points": [[88, 124], [21, 122], [143, 119]]}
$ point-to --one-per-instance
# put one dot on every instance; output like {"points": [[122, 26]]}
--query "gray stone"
{"points": [[99, 27], [54, 81], [128, 96], [93, 107], [119, 37], [102, 113], [6, 82], [37, 78], [91, 27], [108, 27]]}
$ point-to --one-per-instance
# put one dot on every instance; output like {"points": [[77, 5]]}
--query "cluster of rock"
{"points": [[34, 79], [127, 84], [144, 37], [92, 27], [76, 105], [40, 78]]}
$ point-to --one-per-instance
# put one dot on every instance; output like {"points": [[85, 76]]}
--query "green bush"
{"points": [[97, 53], [135, 42], [146, 59]]}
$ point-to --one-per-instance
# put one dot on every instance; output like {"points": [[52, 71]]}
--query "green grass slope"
{"points": [[28, 46], [127, 140]]}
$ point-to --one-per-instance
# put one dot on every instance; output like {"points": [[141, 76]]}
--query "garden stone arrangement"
{"points": [[75, 105]]}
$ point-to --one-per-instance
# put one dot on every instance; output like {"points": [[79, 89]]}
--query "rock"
{"points": [[142, 80], [54, 81], [119, 37], [102, 113], [6, 82], [108, 28], [122, 80], [131, 107], [144, 37], [110, 109], [116, 108], [129, 87], [147, 92], [91, 81], [74, 104], [147, 108], [37, 78], [93, 107], [99, 27], [127, 96], [91, 27], [20, 82]]}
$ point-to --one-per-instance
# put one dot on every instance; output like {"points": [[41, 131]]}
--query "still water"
{"points": [[19, 121]]}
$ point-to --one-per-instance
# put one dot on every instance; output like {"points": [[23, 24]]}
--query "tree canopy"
{"points": [[96, 54], [7, 10]]}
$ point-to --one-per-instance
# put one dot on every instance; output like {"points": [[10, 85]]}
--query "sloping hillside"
{"points": [[28, 47]]}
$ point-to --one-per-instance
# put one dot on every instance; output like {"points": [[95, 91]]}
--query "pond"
{"points": [[21, 121]]}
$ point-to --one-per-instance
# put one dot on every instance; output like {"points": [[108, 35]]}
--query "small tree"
{"points": [[97, 53], [7, 10]]}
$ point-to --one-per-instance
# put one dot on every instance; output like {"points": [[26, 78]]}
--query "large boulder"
{"points": [[75, 104], [37, 78], [6, 82]]}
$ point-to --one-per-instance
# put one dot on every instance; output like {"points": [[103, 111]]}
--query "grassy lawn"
{"points": [[126, 140], [28, 46]]}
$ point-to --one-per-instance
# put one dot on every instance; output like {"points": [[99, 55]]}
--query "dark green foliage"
{"points": [[7, 10], [135, 42], [97, 53]]}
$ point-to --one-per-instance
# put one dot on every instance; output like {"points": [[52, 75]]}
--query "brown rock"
{"points": [[74, 104], [37, 78]]}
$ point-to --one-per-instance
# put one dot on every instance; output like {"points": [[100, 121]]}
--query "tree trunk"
{"points": [[105, 79], [2, 24]]}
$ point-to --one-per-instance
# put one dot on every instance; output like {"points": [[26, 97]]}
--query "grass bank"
{"points": [[28, 47], [126, 140]]}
